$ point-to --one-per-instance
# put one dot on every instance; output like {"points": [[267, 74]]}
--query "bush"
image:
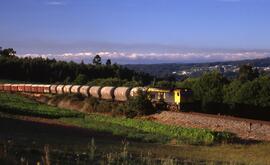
{"points": [[137, 106]]}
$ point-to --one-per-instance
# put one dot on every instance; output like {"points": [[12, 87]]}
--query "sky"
{"points": [[137, 31]]}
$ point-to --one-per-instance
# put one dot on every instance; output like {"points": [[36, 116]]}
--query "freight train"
{"points": [[174, 99]]}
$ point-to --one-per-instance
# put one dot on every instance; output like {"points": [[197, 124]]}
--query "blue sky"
{"points": [[137, 31]]}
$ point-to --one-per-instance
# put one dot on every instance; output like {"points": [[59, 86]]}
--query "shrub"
{"points": [[138, 106]]}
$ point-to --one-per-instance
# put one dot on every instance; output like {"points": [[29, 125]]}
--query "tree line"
{"points": [[43, 70]]}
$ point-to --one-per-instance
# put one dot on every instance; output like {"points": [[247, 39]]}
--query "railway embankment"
{"points": [[243, 128]]}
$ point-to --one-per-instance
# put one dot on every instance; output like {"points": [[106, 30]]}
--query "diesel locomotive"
{"points": [[174, 99]]}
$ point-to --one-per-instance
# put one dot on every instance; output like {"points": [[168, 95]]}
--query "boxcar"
{"points": [[14, 87], [107, 93], [21, 87], [40, 88], [122, 93], [7, 87], [28, 88], [1, 87], [47, 88], [34, 88], [95, 91]]}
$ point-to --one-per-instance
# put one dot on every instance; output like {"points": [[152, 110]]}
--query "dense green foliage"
{"points": [[52, 71], [214, 91], [137, 106], [15, 104], [148, 131]]}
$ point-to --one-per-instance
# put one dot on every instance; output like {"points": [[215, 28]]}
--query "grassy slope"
{"points": [[15, 104], [147, 130]]}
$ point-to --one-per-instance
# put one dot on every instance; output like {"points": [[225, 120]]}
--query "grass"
{"points": [[19, 105], [148, 131]]}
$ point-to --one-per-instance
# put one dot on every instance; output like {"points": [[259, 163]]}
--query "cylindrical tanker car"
{"points": [[175, 98]]}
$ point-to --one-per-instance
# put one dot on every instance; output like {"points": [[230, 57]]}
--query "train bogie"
{"points": [[121, 93], [53, 89], [95, 91], [107, 93], [67, 89], [60, 89], [84, 90], [75, 89]]}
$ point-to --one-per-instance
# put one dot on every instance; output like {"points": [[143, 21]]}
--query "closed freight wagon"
{"points": [[47, 88], [7, 87], [122, 93], [40, 88], [84, 90], [20, 87], [107, 93], [28, 88], [14, 87], [34, 88], [1, 87], [95, 91]]}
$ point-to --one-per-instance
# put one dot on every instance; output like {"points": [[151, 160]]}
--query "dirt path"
{"points": [[244, 128]]}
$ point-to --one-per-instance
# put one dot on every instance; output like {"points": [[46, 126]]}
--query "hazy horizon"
{"points": [[141, 31]]}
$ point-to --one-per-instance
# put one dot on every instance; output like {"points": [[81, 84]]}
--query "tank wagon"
{"points": [[174, 98], [67, 89]]}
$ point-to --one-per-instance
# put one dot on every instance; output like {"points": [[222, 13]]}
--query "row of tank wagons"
{"points": [[107, 93]]}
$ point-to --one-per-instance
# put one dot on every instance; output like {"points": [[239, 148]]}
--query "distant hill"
{"points": [[162, 70]]}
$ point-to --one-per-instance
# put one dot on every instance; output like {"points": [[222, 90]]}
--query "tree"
{"points": [[108, 62], [97, 60], [8, 52], [246, 73], [81, 79]]}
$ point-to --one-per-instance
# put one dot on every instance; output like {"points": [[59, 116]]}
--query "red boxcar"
{"points": [[7, 87], [34, 88], [21, 87], [28, 88], [1, 87], [40, 88], [14, 87], [47, 88]]}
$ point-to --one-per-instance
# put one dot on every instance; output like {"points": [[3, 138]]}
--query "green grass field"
{"points": [[19, 105], [148, 131]]}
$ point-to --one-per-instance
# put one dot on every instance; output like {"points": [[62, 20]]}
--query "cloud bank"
{"points": [[150, 58]]}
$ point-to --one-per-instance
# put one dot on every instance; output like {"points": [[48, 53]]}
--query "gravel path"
{"points": [[243, 128]]}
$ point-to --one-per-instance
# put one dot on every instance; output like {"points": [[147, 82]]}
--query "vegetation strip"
{"points": [[15, 104], [148, 131]]}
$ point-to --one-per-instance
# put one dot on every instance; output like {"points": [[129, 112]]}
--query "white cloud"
{"points": [[55, 3], [133, 57]]}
